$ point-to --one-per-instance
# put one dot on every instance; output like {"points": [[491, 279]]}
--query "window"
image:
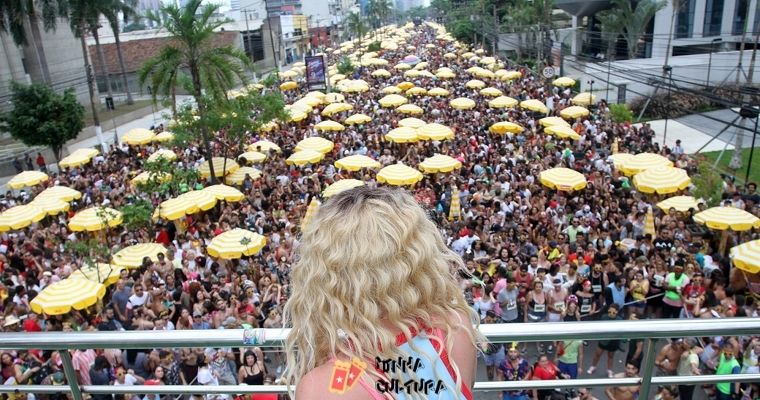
{"points": [[740, 16], [713, 17], [685, 19], [297, 32], [254, 45]]}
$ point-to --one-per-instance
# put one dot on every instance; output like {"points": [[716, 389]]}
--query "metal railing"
{"points": [[648, 330]]}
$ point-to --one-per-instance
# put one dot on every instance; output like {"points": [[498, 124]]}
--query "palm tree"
{"points": [[355, 25], [13, 15], [111, 12], [636, 20], [213, 70]]}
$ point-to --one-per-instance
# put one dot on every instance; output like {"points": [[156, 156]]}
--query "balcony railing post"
{"points": [[648, 367], [71, 375]]}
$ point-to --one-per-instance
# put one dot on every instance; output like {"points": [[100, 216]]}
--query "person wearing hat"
{"points": [[199, 322]]}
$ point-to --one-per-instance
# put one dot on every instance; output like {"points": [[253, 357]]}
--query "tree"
{"points": [[13, 16], [636, 20], [41, 117], [111, 12], [212, 69], [345, 66], [356, 26], [137, 214], [612, 25]]}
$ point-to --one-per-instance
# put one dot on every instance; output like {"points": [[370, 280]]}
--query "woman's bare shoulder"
{"points": [[315, 385]]}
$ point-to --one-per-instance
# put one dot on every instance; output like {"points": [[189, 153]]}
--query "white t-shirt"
{"points": [[135, 301], [129, 380], [206, 377]]}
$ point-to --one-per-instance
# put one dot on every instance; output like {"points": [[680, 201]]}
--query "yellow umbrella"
{"points": [[661, 180], [391, 90], [552, 121], [436, 92], [288, 74], [405, 85], [564, 82], [723, 218], [236, 243], [162, 153], [449, 56], [78, 157], [106, 274], [619, 159], [411, 122], [304, 157], [19, 217], [649, 223], [204, 200], [222, 166], [358, 119], [252, 157], [534, 105], [63, 296], [445, 75], [335, 108], [510, 75], [59, 192], [237, 177], [317, 94], [381, 73], [505, 126], [563, 179], [310, 211], [402, 66], [302, 106], [475, 84], [680, 203], [583, 99], [138, 136], [439, 163], [392, 100], [746, 256], [317, 144], [94, 219], [311, 101], [27, 178], [435, 132], [502, 102], [416, 91], [334, 98], [264, 146], [296, 115], [186, 204], [224, 192], [289, 85], [403, 134], [340, 186], [574, 112], [455, 210], [467, 54], [487, 60], [644, 161], [462, 103], [164, 137], [146, 176], [562, 132], [51, 205], [410, 109], [132, 256], [268, 127], [356, 163], [490, 91], [399, 175]]}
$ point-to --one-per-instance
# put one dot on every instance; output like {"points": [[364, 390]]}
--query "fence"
{"points": [[649, 330]]}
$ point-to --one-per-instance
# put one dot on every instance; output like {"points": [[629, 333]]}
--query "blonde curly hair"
{"points": [[371, 258]]}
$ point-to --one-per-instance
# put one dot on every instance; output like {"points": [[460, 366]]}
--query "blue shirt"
{"points": [[618, 296]]}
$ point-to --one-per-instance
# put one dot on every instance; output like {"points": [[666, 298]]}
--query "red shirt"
{"points": [[547, 373], [692, 292], [31, 326]]}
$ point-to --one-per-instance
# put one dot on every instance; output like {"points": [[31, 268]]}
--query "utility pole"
{"points": [[247, 41], [271, 38], [752, 60]]}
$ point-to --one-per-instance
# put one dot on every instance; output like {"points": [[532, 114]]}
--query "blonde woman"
{"points": [[375, 284]]}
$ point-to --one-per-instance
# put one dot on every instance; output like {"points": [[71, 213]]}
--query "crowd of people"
{"points": [[532, 254]]}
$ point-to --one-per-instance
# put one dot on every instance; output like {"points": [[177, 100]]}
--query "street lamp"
{"points": [[590, 93], [709, 63]]}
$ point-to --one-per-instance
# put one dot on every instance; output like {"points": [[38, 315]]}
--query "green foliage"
{"points": [[374, 46], [345, 66], [620, 113], [41, 117], [91, 250], [237, 116], [356, 25], [165, 177], [14, 14], [709, 185], [634, 21], [137, 215]]}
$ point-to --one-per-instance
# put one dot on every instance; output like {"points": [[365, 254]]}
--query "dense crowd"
{"points": [[532, 254]]}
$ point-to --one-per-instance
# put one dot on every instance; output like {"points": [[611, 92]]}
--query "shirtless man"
{"points": [[624, 392], [556, 301], [669, 357]]}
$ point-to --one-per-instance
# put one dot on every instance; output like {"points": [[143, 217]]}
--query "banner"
{"points": [[316, 73]]}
